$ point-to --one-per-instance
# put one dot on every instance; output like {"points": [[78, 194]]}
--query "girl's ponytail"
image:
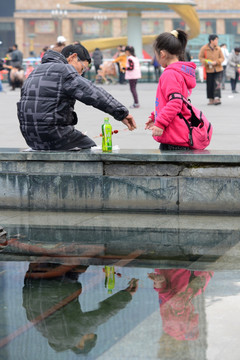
{"points": [[183, 38], [174, 42]]}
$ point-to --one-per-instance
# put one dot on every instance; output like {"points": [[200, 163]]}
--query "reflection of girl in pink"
{"points": [[176, 288]]}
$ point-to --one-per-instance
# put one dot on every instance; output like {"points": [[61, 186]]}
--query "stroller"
{"points": [[107, 73]]}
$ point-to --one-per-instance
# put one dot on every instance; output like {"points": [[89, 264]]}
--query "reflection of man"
{"points": [[176, 288], [69, 327]]}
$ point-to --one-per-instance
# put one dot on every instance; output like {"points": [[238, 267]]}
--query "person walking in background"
{"points": [[232, 68], [157, 68], [224, 63], [211, 57], [16, 56], [97, 59], [133, 73], [121, 61], [178, 77]]}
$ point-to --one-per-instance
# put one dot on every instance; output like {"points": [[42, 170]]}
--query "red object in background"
{"points": [[146, 55], [234, 23], [208, 23], [32, 22]]}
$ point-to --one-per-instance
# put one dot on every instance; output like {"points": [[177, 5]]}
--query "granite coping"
{"points": [[124, 155]]}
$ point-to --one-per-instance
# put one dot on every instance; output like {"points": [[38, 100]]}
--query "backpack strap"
{"points": [[181, 97], [188, 104]]}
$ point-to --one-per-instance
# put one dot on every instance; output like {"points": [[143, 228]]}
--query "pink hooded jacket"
{"points": [[178, 77]]}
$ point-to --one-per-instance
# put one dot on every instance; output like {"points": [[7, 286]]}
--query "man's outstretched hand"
{"points": [[130, 122], [132, 286]]}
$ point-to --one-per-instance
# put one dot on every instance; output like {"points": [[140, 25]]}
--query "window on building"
{"points": [[207, 26], [232, 26], [152, 26], [92, 28], [179, 24]]}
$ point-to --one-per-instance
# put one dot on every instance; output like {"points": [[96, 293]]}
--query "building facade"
{"points": [[33, 24]]}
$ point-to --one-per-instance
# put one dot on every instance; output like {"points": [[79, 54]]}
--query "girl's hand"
{"points": [[149, 124], [156, 131]]}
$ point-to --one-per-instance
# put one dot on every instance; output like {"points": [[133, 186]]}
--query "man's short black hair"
{"points": [[80, 50], [212, 37]]}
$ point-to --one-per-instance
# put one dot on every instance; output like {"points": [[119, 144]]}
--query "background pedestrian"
{"points": [[233, 67], [133, 73], [224, 63], [97, 59], [211, 57]]}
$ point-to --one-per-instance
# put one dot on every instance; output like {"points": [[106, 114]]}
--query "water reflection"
{"points": [[68, 312], [51, 298], [176, 290]]}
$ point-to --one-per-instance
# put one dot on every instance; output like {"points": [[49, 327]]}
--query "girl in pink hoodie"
{"points": [[178, 77]]}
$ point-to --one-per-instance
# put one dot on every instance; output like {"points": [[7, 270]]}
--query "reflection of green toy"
{"points": [[109, 278]]}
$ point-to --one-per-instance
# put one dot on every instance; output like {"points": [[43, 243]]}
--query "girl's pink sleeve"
{"points": [[152, 116], [170, 84]]}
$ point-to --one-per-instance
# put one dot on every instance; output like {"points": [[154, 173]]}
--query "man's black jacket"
{"points": [[46, 108]]}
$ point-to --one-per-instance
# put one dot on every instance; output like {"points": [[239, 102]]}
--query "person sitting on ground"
{"points": [[46, 107]]}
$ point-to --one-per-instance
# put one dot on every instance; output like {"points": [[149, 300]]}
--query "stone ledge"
{"points": [[128, 180], [125, 155]]}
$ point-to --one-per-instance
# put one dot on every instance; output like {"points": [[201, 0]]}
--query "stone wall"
{"points": [[201, 182]]}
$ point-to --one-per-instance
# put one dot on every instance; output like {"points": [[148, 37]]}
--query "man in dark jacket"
{"points": [[46, 108], [16, 56]]}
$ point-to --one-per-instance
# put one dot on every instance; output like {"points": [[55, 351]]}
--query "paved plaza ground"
{"points": [[224, 118]]}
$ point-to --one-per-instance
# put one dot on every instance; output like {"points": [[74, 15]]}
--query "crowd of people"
{"points": [[70, 62]]}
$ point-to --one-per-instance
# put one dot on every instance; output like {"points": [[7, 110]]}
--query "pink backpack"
{"points": [[200, 129]]}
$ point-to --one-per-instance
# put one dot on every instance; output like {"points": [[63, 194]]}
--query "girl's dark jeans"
{"points": [[133, 85]]}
